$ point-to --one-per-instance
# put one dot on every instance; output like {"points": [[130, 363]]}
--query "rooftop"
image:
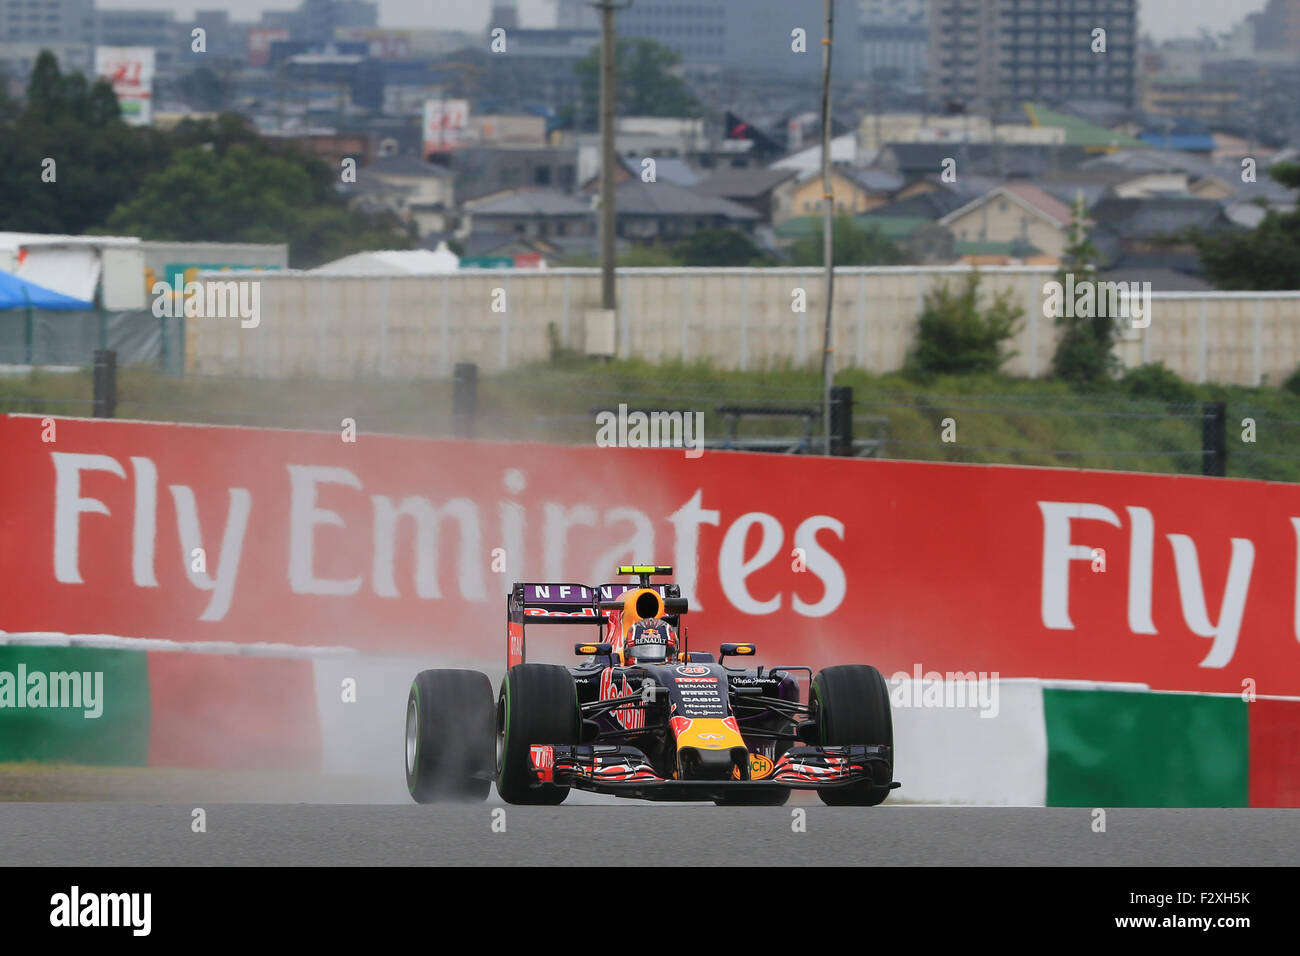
{"points": [[530, 202], [743, 183], [636, 198]]}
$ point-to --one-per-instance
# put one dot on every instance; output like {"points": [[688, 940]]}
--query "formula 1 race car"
{"points": [[644, 716]]}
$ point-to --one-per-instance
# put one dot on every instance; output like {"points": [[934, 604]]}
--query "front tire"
{"points": [[852, 704], [538, 705], [449, 736]]}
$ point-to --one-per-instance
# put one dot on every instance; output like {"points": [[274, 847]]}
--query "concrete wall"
{"points": [[337, 326]]}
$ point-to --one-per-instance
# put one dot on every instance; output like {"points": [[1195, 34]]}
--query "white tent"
{"points": [[395, 262], [77, 266]]}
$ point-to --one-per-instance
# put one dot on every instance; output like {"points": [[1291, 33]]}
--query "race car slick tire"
{"points": [[538, 705], [851, 702], [450, 729]]}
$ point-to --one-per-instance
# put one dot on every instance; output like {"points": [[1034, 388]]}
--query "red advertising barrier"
{"points": [[1274, 753], [232, 712], [388, 544]]}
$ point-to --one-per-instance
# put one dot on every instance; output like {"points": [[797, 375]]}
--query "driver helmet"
{"points": [[652, 641]]}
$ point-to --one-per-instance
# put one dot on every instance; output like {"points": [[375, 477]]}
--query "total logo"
{"points": [[692, 670]]}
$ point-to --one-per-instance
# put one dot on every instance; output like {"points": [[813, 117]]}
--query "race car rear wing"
{"points": [[557, 603]]}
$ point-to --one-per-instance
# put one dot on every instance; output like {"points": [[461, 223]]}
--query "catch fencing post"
{"points": [[1214, 439], [464, 398], [842, 420], [105, 379]]}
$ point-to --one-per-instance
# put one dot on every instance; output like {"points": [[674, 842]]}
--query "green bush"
{"points": [[1292, 383], [1154, 381], [1084, 353], [954, 337]]}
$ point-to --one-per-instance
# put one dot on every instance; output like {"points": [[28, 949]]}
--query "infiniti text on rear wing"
{"points": [[559, 604]]}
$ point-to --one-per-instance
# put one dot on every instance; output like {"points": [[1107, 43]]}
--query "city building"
{"points": [[1014, 212], [576, 15], [152, 28], [856, 190], [895, 40], [486, 170], [755, 188], [987, 55], [751, 36], [316, 20], [536, 213], [65, 27], [662, 212], [546, 61]]}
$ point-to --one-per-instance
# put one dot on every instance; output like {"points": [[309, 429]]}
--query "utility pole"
{"points": [[608, 104], [828, 225]]}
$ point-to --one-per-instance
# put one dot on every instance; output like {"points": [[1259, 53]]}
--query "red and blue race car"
{"points": [[644, 715]]}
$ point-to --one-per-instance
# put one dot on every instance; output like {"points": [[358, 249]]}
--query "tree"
{"points": [[1085, 351], [719, 248], [69, 158], [243, 195], [853, 246], [1264, 259], [956, 337], [205, 180], [644, 83], [45, 88]]}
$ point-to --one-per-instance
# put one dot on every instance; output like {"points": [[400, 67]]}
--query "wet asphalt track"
{"points": [[118, 834]]}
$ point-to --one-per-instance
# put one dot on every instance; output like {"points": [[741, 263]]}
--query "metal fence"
{"points": [[562, 405], [37, 338]]}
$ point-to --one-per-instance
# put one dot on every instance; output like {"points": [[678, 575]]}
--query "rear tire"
{"points": [[852, 705], [449, 736], [538, 705]]}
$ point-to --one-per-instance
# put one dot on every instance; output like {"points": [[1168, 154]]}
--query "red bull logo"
{"points": [[632, 718]]}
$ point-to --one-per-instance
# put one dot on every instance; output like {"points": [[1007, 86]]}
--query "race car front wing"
{"points": [[625, 771]]}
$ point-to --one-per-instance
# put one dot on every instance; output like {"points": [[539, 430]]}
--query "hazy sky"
{"points": [[1162, 18]]}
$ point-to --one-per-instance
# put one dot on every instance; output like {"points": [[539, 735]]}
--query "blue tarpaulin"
{"points": [[16, 293]]}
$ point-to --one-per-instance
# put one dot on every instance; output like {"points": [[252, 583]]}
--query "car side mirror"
{"points": [[593, 650], [738, 650]]}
